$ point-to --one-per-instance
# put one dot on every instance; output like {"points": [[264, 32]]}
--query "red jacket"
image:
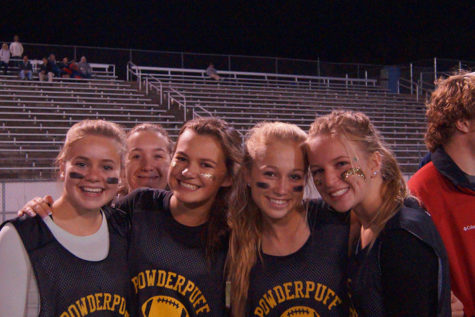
{"points": [[449, 197]]}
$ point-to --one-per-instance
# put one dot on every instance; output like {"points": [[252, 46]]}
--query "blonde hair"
{"points": [[357, 128], [86, 128], [245, 218], [151, 127]]}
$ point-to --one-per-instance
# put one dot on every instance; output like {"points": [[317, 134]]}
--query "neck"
{"points": [[285, 236], [461, 153], [369, 207], [191, 215], [74, 220]]}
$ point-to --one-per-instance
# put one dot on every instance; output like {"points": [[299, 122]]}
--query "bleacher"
{"points": [[35, 116], [244, 99]]}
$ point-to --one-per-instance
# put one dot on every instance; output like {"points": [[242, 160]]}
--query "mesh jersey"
{"points": [[365, 270], [169, 269], [70, 286], [311, 281]]}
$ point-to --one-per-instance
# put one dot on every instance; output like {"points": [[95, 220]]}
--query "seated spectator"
{"points": [[45, 70], [53, 67], [74, 70], [84, 68], [4, 58], [211, 72], [63, 66], [26, 69], [16, 50]]}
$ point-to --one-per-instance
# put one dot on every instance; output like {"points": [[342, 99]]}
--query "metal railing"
{"points": [[174, 96]]}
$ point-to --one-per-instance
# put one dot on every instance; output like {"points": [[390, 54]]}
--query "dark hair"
{"points": [[231, 145]]}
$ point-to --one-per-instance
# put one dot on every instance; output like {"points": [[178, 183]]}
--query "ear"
{"points": [[463, 125], [375, 161], [62, 168]]}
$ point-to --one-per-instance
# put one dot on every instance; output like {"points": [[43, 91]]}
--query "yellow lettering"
{"points": [[141, 280], [320, 292], [162, 277], [72, 310], [203, 309], [171, 275], [194, 296], [280, 293], [179, 283], [310, 288], [64, 314], [92, 303], [298, 289], [270, 299], [335, 301], [263, 304], [287, 291], [189, 287], [98, 301], [81, 304], [136, 284], [107, 301], [115, 301], [327, 297], [150, 277], [122, 306], [258, 311]]}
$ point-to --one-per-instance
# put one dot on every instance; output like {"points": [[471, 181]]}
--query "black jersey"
{"points": [[169, 269], [366, 278], [70, 286], [311, 281]]}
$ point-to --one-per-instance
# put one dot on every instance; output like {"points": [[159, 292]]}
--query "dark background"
{"points": [[380, 32]]}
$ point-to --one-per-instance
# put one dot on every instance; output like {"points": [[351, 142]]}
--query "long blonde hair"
{"points": [[357, 128], [245, 218]]}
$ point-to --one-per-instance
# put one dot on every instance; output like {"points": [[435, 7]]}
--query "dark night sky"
{"points": [[382, 32]]}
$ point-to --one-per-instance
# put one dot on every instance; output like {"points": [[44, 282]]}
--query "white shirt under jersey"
{"points": [[19, 295]]}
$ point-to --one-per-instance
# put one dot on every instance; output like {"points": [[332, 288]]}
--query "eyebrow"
{"points": [[141, 149], [276, 168], [88, 159]]}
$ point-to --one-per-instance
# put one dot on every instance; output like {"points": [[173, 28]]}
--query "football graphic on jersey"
{"points": [[300, 311], [165, 306]]}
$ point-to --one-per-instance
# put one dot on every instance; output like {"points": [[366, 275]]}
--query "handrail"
{"points": [[158, 89], [235, 75], [408, 84], [201, 108], [181, 104]]}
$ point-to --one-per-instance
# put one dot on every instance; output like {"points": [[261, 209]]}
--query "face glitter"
{"points": [[208, 176], [353, 171], [173, 164]]}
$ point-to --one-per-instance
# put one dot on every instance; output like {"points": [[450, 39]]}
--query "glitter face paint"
{"points": [[353, 171], [173, 164], [208, 176], [262, 185]]}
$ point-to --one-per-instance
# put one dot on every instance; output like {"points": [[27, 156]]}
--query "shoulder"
{"points": [[424, 177], [144, 199], [321, 214]]}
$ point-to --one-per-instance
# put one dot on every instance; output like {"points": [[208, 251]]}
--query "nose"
{"points": [[93, 174], [189, 171], [146, 163], [282, 186], [330, 178]]}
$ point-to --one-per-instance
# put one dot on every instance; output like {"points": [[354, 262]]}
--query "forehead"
{"points": [[95, 147], [201, 146], [282, 155], [147, 140], [324, 148]]}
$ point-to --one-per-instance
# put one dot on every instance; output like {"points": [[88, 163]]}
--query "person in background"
{"points": [[84, 68], [4, 58], [446, 185], [64, 69], [16, 49], [212, 72], [53, 67], [26, 69]]}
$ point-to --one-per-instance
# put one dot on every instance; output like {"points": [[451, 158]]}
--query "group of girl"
{"points": [[215, 213]]}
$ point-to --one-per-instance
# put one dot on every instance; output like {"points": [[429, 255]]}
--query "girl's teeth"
{"points": [[278, 201], [92, 190], [189, 186], [339, 192]]}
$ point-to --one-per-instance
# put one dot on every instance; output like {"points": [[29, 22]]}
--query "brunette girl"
{"points": [[73, 262], [399, 266]]}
